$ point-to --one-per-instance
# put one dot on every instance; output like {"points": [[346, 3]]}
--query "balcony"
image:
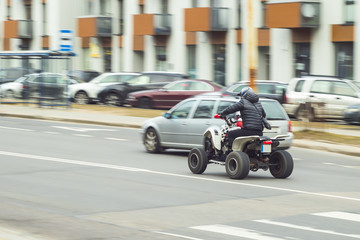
{"points": [[94, 26], [152, 24], [22, 29], [206, 19], [293, 14]]}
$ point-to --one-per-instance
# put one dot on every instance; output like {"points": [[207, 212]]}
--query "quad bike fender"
{"points": [[240, 142], [214, 134]]}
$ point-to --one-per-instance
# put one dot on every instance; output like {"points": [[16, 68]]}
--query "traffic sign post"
{"points": [[66, 41]]}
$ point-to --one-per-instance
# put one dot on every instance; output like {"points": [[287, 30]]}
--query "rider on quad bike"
{"points": [[251, 113]]}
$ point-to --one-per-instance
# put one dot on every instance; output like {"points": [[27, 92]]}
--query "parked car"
{"points": [[265, 89], [46, 85], [83, 75], [11, 90], [183, 126], [352, 114], [85, 93], [13, 73], [117, 94], [320, 97], [171, 94]]}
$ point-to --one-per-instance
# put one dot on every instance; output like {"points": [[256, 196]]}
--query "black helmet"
{"points": [[244, 91]]}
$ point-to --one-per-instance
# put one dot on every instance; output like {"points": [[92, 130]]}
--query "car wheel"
{"points": [[112, 99], [151, 141], [237, 165], [81, 98], [145, 102], [9, 94], [197, 160], [281, 164]]}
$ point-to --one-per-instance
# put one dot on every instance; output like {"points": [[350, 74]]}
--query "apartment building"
{"points": [[207, 39]]}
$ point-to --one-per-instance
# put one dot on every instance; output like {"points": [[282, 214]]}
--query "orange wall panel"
{"points": [[264, 37], [121, 41], [239, 36], [45, 42], [144, 24], [141, 2], [6, 44], [197, 19], [138, 43], [85, 42], [11, 29], [86, 27], [283, 15], [191, 38], [342, 33]]}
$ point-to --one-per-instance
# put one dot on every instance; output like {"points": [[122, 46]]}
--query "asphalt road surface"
{"points": [[78, 182]]}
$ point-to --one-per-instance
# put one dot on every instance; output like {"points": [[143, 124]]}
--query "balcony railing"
{"points": [[25, 29], [219, 19], [162, 24]]}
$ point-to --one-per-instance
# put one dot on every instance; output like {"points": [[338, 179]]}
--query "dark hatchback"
{"points": [[116, 94], [265, 89]]}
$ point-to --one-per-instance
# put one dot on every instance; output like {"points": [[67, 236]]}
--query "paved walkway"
{"points": [[111, 119]]}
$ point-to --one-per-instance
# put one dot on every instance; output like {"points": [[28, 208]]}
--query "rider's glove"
{"points": [[223, 116]]}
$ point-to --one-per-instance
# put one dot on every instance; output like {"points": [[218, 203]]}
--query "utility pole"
{"points": [[252, 41]]}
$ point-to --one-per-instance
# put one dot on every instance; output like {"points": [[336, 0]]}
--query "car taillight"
{"points": [[289, 126], [239, 124], [268, 142]]}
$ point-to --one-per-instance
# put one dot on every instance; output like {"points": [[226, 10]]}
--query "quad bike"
{"points": [[247, 153]]}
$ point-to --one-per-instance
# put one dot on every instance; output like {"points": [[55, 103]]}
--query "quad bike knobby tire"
{"points": [[281, 164], [237, 165], [197, 160]]}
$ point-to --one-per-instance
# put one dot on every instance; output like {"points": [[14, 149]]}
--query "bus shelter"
{"points": [[35, 77]]}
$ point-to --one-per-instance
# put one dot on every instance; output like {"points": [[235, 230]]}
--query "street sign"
{"points": [[66, 40]]}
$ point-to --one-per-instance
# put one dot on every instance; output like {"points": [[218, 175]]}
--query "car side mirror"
{"points": [[167, 115]]}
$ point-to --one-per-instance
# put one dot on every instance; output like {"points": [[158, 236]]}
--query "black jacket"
{"points": [[247, 106]]}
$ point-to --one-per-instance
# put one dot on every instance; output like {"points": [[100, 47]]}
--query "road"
{"points": [[73, 181]]}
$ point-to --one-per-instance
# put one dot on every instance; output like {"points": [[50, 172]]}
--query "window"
{"points": [[239, 13], [200, 86], [349, 12], [299, 85], [219, 63], [302, 59], [237, 88], [179, 86], [159, 78], [194, 3], [191, 60], [204, 109], [266, 88], [90, 7], [124, 78], [121, 17], [342, 88], [183, 110], [345, 60], [139, 80], [223, 105], [165, 6], [321, 86], [273, 110], [215, 3], [44, 26], [109, 79], [161, 58]]}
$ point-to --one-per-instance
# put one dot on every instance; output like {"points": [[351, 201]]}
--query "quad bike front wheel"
{"points": [[237, 165], [281, 164], [197, 160]]}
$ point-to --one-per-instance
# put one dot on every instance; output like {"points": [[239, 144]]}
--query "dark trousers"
{"points": [[241, 133]]}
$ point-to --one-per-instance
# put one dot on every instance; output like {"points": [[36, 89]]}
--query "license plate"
{"points": [[266, 148]]}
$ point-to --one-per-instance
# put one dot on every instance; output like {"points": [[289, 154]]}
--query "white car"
{"points": [[13, 89], [84, 93], [320, 97]]}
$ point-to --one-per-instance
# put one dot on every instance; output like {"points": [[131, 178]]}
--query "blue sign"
{"points": [[66, 40]]}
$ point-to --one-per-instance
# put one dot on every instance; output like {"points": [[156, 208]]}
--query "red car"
{"points": [[171, 94]]}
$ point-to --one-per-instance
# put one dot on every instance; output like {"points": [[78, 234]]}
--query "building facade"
{"points": [[207, 39]]}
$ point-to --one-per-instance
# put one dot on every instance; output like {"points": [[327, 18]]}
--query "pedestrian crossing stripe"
{"points": [[340, 215]]}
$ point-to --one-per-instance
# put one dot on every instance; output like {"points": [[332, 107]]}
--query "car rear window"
{"points": [[299, 85], [273, 110]]}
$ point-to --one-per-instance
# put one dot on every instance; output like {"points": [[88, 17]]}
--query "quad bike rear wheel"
{"points": [[237, 165], [197, 160], [281, 164]]}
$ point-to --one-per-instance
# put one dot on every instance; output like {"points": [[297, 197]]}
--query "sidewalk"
{"points": [[110, 119]]}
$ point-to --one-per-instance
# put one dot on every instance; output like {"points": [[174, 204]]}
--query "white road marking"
{"points": [[82, 135], [78, 129], [109, 166], [339, 165], [340, 215], [177, 235], [288, 225], [116, 139], [235, 231], [18, 129], [51, 132]]}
